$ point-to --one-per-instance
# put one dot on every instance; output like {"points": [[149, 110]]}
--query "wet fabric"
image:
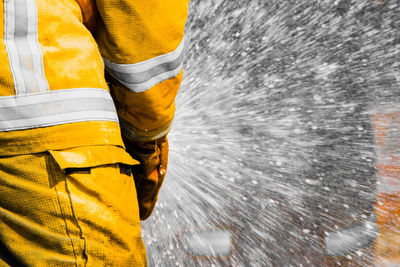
{"points": [[65, 198], [150, 174], [87, 217], [53, 72], [53, 93], [142, 45]]}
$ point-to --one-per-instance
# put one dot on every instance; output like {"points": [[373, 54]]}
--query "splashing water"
{"points": [[273, 139]]}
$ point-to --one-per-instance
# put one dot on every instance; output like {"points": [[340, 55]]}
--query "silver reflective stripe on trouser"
{"points": [[141, 76], [22, 45], [56, 107]]}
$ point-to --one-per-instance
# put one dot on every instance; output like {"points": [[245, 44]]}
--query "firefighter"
{"points": [[69, 139]]}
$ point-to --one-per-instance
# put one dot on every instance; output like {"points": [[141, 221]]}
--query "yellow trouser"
{"points": [[76, 207]]}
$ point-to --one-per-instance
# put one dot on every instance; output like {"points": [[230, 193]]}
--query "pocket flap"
{"points": [[91, 156]]}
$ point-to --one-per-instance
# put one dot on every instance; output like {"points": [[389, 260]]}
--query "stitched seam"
{"points": [[76, 221], [66, 225]]}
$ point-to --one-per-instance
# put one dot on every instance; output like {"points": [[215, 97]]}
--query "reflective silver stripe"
{"points": [[56, 107], [36, 52], [141, 76], [24, 53]]}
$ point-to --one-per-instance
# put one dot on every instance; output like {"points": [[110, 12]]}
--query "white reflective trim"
{"points": [[141, 76], [56, 107], [33, 41], [141, 87], [65, 94], [22, 45], [57, 119], [9, 25]]}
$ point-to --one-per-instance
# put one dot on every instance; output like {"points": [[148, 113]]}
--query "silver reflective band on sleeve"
{"points": [[56, 107], [22, 45], [142, 76]]}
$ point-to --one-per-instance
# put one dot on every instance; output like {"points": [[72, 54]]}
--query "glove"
{"points": [[149, 175], [89, 13]]}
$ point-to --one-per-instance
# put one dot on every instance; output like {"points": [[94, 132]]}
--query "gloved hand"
{"points": [[149, 175], [89, 13]]}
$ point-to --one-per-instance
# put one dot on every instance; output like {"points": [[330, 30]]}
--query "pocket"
{"points": [[102, 204], [84, 158]]}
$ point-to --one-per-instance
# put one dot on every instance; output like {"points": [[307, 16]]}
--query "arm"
{"points": [[142, 47]]}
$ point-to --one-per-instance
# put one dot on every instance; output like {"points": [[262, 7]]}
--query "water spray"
{"points": [[274, 140]]}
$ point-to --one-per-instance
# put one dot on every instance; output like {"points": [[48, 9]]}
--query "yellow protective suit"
{"points": [[66, 196], [56, 211]]}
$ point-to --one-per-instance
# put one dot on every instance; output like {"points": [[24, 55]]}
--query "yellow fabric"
{"points": [[149, 111], [96, 156], [60, 137], [130, 32], [70, 54], [71, 60], [48, 218], [135, 31]]}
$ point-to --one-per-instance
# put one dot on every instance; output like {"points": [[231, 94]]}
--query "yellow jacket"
{"points": [[53, 93]]}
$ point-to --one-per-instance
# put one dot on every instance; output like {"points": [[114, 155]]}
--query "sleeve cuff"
{"points": [[138, 135]]}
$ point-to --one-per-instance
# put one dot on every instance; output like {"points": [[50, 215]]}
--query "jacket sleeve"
{"points": [[142, 46]]}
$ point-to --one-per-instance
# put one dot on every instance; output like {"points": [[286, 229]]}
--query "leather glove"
{"points": [[89, 13], [149, 175]]}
